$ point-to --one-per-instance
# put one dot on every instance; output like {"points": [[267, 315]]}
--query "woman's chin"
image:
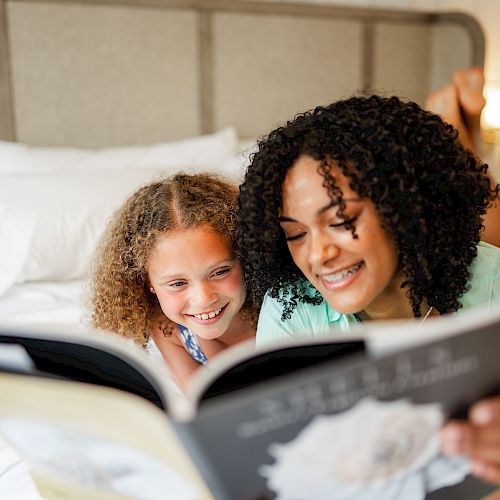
{"points": [[344, 306]]}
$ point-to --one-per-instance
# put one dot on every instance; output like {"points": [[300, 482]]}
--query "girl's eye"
{"points": [[221, 272], [176, 284]]}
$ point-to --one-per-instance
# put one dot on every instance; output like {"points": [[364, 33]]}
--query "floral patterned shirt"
{"points": [[191, 344]]}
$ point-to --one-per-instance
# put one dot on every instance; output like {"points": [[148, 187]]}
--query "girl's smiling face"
{"points": [[198, 282], [353, 275]]}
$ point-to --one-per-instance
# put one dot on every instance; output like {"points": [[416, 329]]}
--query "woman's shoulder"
{"points": [[304, 319], [295, 301], [302, 287], [488, 251], [484, 284], [487, 263]]}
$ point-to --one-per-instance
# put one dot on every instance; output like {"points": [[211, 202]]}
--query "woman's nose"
{"points": [[322, 248]]}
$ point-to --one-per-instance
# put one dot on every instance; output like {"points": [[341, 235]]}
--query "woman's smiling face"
{"points": [[198, 282], [353, 275]]}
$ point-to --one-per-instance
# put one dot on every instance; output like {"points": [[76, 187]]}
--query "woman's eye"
{"points": [[346, 224], [294, 237], [293, 232]]}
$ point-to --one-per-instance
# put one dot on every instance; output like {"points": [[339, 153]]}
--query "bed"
{"points": [[100, 96]]}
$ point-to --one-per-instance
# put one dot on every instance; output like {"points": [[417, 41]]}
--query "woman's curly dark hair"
{"points": [[429, 191]]}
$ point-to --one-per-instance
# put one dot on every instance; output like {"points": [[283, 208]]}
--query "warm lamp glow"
{"points": [[490, 119]]}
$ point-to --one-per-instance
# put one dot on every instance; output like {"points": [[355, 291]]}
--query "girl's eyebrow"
{"points": [[168, 277], [222, 262], [331, 204]]}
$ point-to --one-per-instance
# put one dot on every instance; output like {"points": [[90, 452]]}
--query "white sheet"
{"points": [[43, 304]]}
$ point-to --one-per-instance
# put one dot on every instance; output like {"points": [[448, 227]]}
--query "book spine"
{"points": [[202, 461]]}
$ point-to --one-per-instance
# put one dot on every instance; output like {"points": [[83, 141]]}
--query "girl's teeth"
{"points": [[333, 278], [209, 315]]}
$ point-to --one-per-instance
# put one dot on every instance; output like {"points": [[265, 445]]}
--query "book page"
{"points": [[384, 337], [90, 442], [246, 366]]}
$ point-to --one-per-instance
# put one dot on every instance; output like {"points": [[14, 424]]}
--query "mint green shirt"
{"points": [[309, 320]]}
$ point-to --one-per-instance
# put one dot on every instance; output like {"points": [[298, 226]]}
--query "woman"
{"points": [[165, 273], [369, 209]]}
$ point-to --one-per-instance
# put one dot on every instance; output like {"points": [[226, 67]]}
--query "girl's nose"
{"points": [[204, 295]]}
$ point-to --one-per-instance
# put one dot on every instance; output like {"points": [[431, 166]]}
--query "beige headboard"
{"points": [[98, 73]]}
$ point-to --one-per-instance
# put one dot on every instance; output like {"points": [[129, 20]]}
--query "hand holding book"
{"points": [[478, 438]]}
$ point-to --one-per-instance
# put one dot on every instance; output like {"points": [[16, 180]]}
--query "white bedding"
{"points": [[55, 203], [43, 304]]}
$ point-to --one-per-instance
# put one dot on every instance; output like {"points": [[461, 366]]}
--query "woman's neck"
{"points": [[392, 303]]}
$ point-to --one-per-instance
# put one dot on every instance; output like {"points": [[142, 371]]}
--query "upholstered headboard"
{"points": [[98, 73]]}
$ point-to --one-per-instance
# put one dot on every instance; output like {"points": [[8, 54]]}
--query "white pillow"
{"points": [[235, 168], [50, 223], [207, 151]]}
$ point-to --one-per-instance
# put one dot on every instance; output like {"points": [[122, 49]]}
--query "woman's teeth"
{"points": [[209, 315], [336, 277]]}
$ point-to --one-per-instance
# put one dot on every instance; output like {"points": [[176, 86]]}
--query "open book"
{"points": [[347, 417]]}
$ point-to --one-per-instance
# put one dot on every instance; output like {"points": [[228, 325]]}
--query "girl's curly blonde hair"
{"points": [[120, 298]]}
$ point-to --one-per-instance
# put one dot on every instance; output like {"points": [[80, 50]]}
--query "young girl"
{"points": [[165, 273], [370, 209]]}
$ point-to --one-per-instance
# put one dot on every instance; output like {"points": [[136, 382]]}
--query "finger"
{"points": [[485, 411], [481, 443], [456, 438], [486, 471]]}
